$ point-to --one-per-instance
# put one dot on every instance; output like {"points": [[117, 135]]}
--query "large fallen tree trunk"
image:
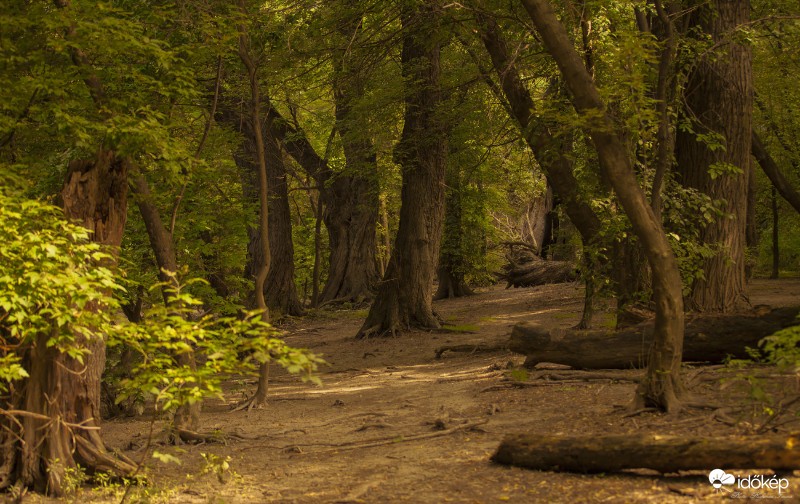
{"points": [[709, 338], [538, 272], [594, 454]]}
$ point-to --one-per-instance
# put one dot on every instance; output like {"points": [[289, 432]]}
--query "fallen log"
{"points": [[595, 454], [538, 272], [708, 338]]}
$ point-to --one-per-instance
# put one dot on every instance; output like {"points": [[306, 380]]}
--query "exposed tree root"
{"points": [[249, 404], [471, 349], [354, 445]]}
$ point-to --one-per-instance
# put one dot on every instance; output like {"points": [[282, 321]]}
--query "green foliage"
{"points": [[169, 335], [219, 466], [54, 287], [686, 213], [56, 291], [782, 350]]}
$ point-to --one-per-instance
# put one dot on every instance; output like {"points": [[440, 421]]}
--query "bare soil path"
{"points": [[394, 424]]}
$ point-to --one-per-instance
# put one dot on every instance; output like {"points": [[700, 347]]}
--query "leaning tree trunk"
{"points": [[352, 197], [773, 172], [187, 417], [404, 296], [547, 150], [719, 98], [452, 265], [62, 396], [662, 385]]}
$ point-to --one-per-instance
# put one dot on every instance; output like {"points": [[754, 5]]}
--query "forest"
{"points": [[399, 250]]}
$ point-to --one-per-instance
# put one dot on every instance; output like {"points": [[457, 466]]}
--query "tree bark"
{"points": [[280, 289], [404, 296], [719, 101], [662, 386], [352, 196], [667, 454], [709, 338], [61, 397]]}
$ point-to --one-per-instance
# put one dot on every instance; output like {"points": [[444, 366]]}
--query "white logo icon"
{"points": [[718, 477]]}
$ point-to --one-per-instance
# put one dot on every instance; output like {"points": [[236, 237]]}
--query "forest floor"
{"points": [[353, 439]]}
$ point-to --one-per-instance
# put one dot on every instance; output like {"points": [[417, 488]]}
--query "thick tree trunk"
{"points": [[405, 294], [709, 338], [352, 197], [280, 291], [535, 224], [61, 397], [662, 386], [667, 454], [719, 99], [351, 217]]}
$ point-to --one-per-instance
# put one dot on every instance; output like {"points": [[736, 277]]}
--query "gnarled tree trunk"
{"points": [[352, 197], [280, 289], [61, 397], [405, 294]]}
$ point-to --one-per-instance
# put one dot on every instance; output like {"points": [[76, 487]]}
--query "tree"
{"points": [[405, 293], [662, 385], [713, 147], [452, 263], [351, 196], [52, 318], [281, 292], [245, 54]]}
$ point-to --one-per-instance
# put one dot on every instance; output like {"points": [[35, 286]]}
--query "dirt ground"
{"points": [[353, 439]]}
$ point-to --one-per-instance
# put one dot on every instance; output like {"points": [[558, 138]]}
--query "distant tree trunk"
{"points": [[405, 294], [187, 417], [719, 99], [536, 222], [662, 385], [776, 254], [452, 265], [351, 218], [352, 197], [280, 290], [37, 451]]}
